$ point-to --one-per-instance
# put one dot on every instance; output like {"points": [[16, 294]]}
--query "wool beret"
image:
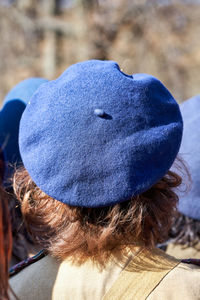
{"points": [[189, 203], [96, 136], [10, 115]]}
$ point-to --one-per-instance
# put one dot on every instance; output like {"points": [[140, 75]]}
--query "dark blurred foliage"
{"points": [[42, 38]]}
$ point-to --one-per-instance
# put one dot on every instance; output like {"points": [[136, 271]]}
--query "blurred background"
{"points": [[160, 37]]}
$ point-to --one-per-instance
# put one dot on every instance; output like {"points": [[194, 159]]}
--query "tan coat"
{"points": [[49, 279], [182, 252]]}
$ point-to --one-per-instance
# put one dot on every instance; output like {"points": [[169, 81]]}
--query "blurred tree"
{"points": [[43, 37], [49, 8]]}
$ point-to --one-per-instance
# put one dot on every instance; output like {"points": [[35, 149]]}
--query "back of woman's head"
{"points": [[189, 204], [186, 226], [101, 143]]}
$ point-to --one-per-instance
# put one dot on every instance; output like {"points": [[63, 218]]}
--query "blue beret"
{"points": [[10, 115], [24, 90], [189, 204], [96, 136]]}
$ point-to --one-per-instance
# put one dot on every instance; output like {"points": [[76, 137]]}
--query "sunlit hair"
{"points": [[97, 233], [185, 231], [5, 242]]}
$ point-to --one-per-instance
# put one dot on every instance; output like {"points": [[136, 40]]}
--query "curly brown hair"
{"points": [[97, 233]]}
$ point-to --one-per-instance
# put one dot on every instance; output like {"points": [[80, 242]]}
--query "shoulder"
{"points": [[189, 268], [25, 263], [35, 281], [182, 252], [183, 282]]}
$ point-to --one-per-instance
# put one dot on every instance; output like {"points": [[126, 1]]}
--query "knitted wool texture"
{"points": [[10, 115], [96, 136], [189, 204]]}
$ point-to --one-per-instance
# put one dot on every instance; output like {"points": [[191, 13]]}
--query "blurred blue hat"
{"points": [[10, 115], [96, 136], [189, 204]]}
